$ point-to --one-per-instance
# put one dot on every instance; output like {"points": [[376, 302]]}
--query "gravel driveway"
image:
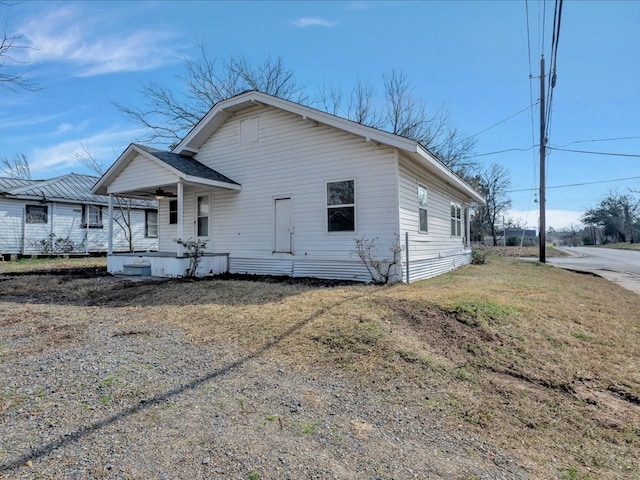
{"points": [[99, 395]]}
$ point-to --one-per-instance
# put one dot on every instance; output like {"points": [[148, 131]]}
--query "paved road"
{"points": [[619, 266]]}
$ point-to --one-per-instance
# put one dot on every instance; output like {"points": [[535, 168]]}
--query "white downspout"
{"points": [[180, 226], [110, 238]]}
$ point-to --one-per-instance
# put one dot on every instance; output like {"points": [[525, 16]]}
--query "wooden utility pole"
{"points": [[543, 143]]}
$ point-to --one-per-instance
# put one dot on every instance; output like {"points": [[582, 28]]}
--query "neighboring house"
{"points": [[62, 215], [526, 237], [278, 188]]}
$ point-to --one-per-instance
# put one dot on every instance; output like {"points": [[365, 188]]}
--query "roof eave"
{"points": [[212, 183]]}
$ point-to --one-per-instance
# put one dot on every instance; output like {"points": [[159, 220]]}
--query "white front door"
{"points": [[283, 230]]}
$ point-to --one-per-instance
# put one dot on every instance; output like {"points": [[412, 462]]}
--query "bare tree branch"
{"points": [[17, 167], [494, 182], [89, 161], [9, 79], [362, 107], [206, 81]]}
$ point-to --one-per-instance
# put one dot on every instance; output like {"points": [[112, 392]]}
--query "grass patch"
{"points": [[539, 361]]}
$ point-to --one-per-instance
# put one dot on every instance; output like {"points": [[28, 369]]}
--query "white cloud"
{"points": [[313, 22], [10, 121], [58, 159], [68, 35], [557, 219]]}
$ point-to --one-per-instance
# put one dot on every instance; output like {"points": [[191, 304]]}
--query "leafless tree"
{"points": [[494, 182], [10, 78], [330, 99], [17, 167], [168, 114], [362, 107], [207, 81], [404, 114], [123, 205]]}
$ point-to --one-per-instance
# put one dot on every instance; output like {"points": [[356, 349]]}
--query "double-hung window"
{"points": [[456, 220], [341, 206], [422, 208], [151, 223], [91, 216], [173, 212]]}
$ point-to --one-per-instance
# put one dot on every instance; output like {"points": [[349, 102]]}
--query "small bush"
{"points": [[512, 241], [193, 249], [479, 256], [52, 245]]}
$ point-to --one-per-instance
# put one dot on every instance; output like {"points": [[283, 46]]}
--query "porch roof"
{"points": [[176, 168], [187, 165]]}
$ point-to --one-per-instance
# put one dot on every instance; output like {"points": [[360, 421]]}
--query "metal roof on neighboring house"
{"points": [[73, 187], [7, 183], [187, 165]]}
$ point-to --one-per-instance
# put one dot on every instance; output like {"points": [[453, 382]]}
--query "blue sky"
{"points": [[470, 57]]}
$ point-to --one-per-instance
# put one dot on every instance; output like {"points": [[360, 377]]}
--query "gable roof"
{"points": [[221, 111], [69, 188], [182, 166]]}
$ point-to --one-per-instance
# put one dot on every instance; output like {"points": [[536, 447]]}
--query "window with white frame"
{"points": [[341, 206], [422, 208], [91, 216], [37, 213], [173, 212], [151, 223], [456, 220]]}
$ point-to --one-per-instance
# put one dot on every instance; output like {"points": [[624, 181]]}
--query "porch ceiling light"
{"points": [[161, 194]]}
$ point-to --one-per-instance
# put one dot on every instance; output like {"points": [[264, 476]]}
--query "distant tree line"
{"points": [[615, 219]]}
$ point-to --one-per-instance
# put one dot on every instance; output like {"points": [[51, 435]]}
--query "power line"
{"points": [[598, 140], [588, 152], [596, 153], [577, 184], [502, 121], [502, 151]]}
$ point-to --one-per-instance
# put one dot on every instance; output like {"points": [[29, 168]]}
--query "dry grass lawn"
{"points": [[541, 362]]}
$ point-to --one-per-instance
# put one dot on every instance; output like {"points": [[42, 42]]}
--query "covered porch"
{"points": [[184, 190]]}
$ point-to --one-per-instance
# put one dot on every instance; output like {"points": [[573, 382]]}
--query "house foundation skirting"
{"points": [[304, 267], [164, 264], [431, 267]]}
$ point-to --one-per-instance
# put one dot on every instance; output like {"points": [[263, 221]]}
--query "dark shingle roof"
{"points": [[187, 165]]}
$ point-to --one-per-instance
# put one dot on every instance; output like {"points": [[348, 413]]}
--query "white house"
{"points": [[278, 188], [62, 215]]}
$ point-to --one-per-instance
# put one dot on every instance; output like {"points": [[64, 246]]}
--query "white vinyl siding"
{"points": [[297, 158], [141, 173], [437, 252], [11, 225]]}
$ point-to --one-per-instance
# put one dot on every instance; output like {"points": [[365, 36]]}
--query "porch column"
{"points": [[110, 236], [180, 229]]}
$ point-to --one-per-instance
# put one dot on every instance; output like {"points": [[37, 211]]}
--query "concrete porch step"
{"points": [[137, 269]]}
